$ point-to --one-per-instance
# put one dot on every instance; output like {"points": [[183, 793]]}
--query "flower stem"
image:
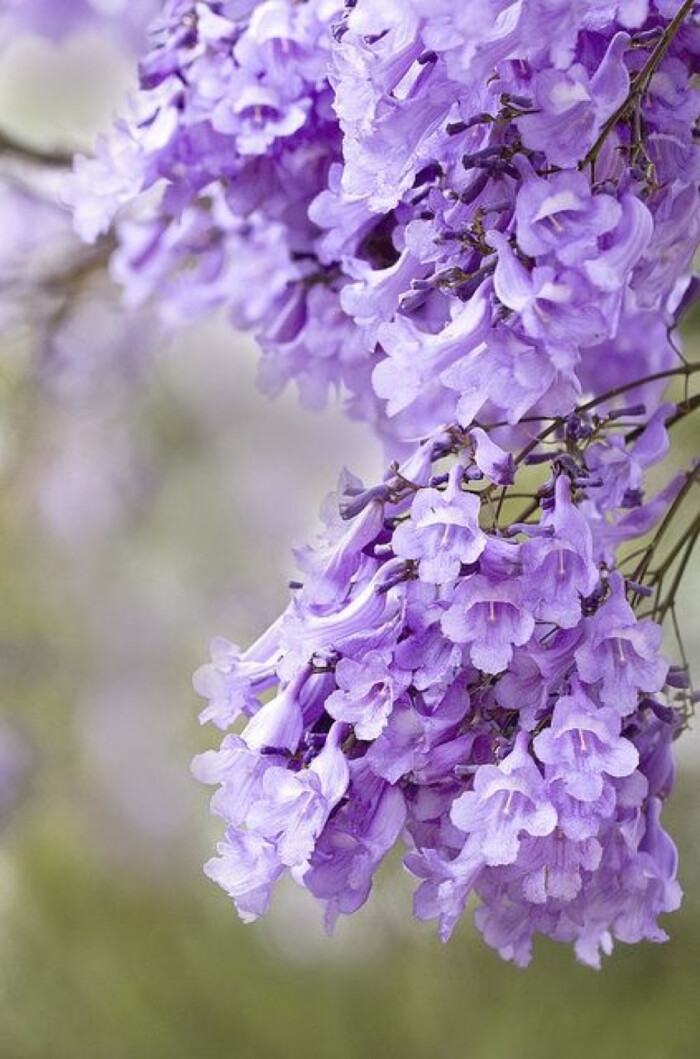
{"points": [[639, 84]]}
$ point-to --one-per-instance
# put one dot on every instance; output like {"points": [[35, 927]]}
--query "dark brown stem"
{"points": [[685, 409], [684, 370], [691, 480], [658, 573], [669, 602], [639, 84]]}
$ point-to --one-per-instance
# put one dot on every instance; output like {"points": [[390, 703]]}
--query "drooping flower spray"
{"points": [[477, 223]]}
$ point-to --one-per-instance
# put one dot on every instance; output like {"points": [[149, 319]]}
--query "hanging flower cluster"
{"points": [[479, 687], [437, 211], [477, 222]]}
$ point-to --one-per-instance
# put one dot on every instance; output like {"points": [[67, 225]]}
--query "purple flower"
{"points": [[621, 655], [508, 801], [233, 679], [282, 812], [442, 533], [281, 724], [423, 743], [446, 885], [622, 467], [247, 868], [554, 306], [416, 369], [561, 216], [432, 661], [471, 224], [570, 105], [238, 770], [560, 569], [490, 618], [367, 692], [293, 807], [582, 746], [493, 461], [353, 844]]}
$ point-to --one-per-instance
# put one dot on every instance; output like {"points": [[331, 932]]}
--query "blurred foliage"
{"points": [[100, 964]]}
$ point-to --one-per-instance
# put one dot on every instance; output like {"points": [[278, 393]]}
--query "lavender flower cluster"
{"points": [[437, 211], [478, 224], [486, 694]]}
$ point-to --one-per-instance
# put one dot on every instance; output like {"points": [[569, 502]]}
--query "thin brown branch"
{"points": [[658, 573], [685, 409], [639, 84], [691, 480], [670, 600]]}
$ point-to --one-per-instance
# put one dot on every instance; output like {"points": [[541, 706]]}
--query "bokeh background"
{"points": [[139, 517]]}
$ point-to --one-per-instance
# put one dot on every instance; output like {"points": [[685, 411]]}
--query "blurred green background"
{"points": [[112, 943]]}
